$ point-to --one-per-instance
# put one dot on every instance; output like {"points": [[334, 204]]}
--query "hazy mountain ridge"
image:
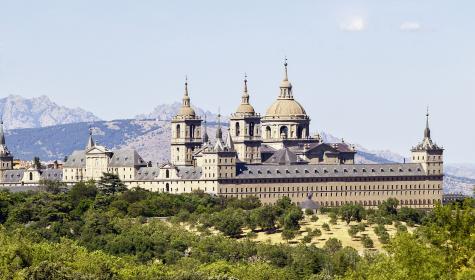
{"points": [[168, 111], [20, 112]]}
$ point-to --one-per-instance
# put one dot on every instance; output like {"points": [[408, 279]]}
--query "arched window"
{"points": [[238, 129], [284, 132], [167, 187], [299, 132], [192, 131], [178, 131], [167, 173], [251, 129], [31, 176], [268, 132]]}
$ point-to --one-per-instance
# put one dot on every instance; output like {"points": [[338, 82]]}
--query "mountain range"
{"points": [[40, 127], [20, 112]]}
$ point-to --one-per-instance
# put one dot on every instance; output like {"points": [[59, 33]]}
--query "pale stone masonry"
{"points": [[268, 156]]}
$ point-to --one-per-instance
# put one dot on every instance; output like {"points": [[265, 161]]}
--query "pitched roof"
{"points": [[126, 158], [76, 160], [13, 176], [329, 170], [284, 157]]}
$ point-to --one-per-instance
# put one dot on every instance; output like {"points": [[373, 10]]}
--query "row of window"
{"points": [[334, 188]]}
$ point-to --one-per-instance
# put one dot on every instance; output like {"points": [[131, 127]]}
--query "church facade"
{"points": [[268, 156]]}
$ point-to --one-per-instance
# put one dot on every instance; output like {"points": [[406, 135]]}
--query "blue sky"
{"points": [[364, 70]]}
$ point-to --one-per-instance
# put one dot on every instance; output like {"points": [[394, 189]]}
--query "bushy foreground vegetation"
{"points": [[107, 232]]}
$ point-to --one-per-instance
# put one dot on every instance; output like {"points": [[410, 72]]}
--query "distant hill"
{"points": [[20, 112], [168, 111]]}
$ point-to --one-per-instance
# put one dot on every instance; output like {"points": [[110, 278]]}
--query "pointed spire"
{"points": [[186, 97], [229, 141], [285, 85], [245, 94], [205, 134], [90, 142], [2, 134], [286, 77], [427, 130], [219, 132]]}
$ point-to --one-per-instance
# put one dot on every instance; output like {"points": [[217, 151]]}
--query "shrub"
{"points": [[332, 245], [401, 228], [307, 238], [317, 232], [288, 234], [333, 218], [251, 235], [314, 218], [361, 226], [384, 237], [367, 242], [326, 227], [379, 229], [353, 231], [309, 212]]}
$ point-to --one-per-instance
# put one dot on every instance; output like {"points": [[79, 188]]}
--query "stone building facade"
{"points": [[268, 157]]}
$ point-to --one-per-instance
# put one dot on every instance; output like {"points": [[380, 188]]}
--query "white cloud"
{"points": [[353, 25], [410, 26]]}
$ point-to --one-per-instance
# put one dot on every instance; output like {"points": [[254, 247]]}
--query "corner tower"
{"points": [[186, 133], [245, 130], [428, 153]]}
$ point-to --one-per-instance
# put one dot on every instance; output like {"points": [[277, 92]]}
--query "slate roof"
{"points": [[147, 173], [126, 158], [329, 170], [284, 157], [189, 172], [51, 174], [13, 176], [76, 160], [184, 172], [16, 175]]}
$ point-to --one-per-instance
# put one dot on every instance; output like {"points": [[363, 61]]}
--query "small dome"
{"points": [[186, 112], [285, 108], [245, 109]]}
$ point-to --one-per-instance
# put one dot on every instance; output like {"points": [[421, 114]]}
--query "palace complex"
{"points": [[268, 156]]}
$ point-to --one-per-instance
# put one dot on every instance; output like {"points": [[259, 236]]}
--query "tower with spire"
{"points": [[186, 133], [428, 153], [6, 158], [245, 130], [286, 124]]}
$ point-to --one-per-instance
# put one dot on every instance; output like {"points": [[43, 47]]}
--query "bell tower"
{"points": [[428, 153], [245, 129], [186, 133]]}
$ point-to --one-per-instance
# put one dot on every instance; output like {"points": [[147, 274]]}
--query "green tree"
{"points": [[229, 222], [332, 245], [52, 186], [292, 218], [5, 202], [350, 212], [265, 217], [82, 190], [288, 234], [389, 207], [110, 184], [367, 241], [36, 163]]}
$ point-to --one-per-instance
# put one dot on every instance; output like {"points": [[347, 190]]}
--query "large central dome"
{"points": [[286, 108]]}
